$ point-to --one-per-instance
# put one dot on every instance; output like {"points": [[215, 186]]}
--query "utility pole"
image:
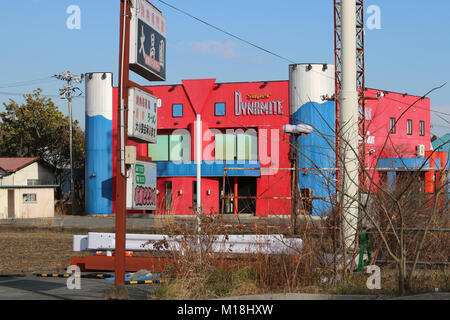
{"points": [[67, 93]]}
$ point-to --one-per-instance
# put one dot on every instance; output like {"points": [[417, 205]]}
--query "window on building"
{"points": [[29, 197], [175, 147], [247, 146], [33, 182], [180, 147], [194, 195], [159, 151], [422, 128], [392, 125], [219, 109], [177, 110], [168, 195], [409, 127], [225, 146], [236, 146]]}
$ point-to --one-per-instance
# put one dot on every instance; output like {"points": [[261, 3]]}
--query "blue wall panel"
{"points": [[98, 165], [316, 150]]}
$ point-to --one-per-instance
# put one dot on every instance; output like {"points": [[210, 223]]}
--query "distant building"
{"points": [[442, 144], [26, 188]]}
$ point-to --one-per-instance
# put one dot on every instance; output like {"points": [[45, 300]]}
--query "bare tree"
{"points": [[391, 212]]}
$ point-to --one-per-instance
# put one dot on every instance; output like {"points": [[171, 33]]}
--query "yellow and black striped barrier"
{"points": [[53, 275], [144, 281], [97, 276]]}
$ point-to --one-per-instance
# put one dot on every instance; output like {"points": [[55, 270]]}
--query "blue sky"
{"points": [[409, 54]]}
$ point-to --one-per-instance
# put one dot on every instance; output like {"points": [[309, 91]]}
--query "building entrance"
{"points": [[242, 189]]}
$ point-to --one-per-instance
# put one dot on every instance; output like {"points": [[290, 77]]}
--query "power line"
{"points": [[226, 32], [25, 83], [443, 119], [21, 94]]}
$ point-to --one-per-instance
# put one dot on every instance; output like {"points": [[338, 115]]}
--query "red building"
{"points": [[250, 139], [245, 148]]}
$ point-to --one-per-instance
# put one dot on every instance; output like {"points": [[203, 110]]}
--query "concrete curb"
{"points": [[308, 296]]}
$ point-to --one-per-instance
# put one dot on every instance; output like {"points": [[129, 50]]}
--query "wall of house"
{"points": [[3, 203], [33, 171], [43, 207]]}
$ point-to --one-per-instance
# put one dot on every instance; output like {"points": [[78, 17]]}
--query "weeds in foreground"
{"points": [[208, 275]]}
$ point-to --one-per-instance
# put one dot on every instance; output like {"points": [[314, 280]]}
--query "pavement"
{"points": [[31, 287]]}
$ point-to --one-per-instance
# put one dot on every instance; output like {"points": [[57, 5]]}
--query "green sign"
{"points": [[139, 168], [140, 179]]}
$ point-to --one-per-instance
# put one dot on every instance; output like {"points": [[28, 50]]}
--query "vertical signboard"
{"points": [[148, 41], [142, 116], [141, 186]]}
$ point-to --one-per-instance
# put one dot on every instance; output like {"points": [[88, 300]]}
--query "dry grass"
{"points": [[26, 252], [220, 275]]}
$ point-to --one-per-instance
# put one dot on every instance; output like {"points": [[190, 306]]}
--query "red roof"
{"points": [[11, 165]]}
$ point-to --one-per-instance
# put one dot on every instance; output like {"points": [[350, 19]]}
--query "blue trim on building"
{"points": [[98, 167], [209, 169], [406, 164]]}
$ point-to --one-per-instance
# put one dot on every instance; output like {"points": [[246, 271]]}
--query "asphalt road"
{"points": [[31, 287]]}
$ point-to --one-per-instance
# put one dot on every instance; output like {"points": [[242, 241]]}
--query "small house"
{"points": [[26, 188]]}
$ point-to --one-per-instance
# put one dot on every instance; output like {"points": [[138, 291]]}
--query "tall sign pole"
{"points": [[142, 50], [119, 259]]}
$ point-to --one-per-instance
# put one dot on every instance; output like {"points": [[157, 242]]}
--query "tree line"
{"points": [[36, 128]]}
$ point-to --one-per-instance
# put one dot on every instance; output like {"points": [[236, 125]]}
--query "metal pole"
{"points": [[295, 194], [69, 99], [119, 258], [199, 178], [66, 93]]}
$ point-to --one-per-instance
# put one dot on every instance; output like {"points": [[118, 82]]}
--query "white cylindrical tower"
{"points": [[309, 83], [311, 92], [349, 132], [99, 95]]}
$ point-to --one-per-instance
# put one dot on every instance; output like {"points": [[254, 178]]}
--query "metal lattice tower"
{"points": [[360, 69]]}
